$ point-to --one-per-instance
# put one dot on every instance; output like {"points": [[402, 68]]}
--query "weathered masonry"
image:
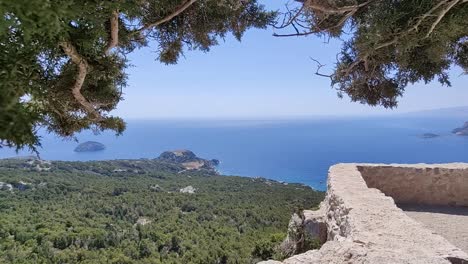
{"points": [[359, 220]]}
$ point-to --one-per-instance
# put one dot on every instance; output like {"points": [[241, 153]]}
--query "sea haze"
{"points": [[284, 150]]}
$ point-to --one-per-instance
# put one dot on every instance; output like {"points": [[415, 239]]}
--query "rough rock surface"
{"points": [[448, 221], [6, 186], [462, 131], [315, 224], [439, 184], [305, 227], [188, 189], [365, 226], [143, 221]]}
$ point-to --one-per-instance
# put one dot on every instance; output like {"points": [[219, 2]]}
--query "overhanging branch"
{"points": [[441, 15], [82, 66], [346, 11], [180, 9], [114, 32], [334, 10]]}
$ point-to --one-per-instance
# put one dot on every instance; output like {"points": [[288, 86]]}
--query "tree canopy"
{"points": [[387, 44], [63, 61], [133, 211]]}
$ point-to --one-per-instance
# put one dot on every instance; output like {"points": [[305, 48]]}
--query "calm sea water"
{"points": [[291, 151]]}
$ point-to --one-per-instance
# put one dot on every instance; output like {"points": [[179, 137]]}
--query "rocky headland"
{"points": [[188, 160], [461, 131]]}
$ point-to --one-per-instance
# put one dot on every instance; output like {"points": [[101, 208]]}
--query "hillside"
{"points": [[140, 211]]}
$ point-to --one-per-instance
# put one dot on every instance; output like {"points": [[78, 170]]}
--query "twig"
{"points": [[319, 66]]}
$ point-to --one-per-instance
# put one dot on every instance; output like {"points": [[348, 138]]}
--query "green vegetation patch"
{"points": [[140, 211]]}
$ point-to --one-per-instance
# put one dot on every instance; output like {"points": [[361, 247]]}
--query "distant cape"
{"points": [[462, 131], [460, 111]]}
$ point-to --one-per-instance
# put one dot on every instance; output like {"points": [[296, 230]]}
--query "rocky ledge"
{"points": [[359, 222], [188, 160]]}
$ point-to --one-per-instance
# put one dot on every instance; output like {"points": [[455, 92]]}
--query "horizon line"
{"points": [[298, 117]]}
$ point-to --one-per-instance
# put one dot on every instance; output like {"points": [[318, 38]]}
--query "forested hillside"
{"points": [[140, 211]]}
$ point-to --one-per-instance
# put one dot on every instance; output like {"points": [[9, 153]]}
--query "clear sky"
{"points": [[260, 77]]}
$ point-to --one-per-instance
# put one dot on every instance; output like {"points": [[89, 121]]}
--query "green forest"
{"points": [[140, 211]]}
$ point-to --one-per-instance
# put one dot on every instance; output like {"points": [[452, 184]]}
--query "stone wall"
{"points": [[420, 184], [363, 225]]}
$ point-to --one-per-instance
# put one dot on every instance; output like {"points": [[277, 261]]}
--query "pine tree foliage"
{"points": [[132, 211], [387, 44], [63, 61]]}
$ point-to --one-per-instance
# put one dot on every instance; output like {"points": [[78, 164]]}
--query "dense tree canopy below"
{"points": [[63, 61], [387, 44], [133, 211]]}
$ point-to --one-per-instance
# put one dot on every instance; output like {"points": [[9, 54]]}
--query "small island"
{"points": [[461, 131], [90, 146], [429, 135]]}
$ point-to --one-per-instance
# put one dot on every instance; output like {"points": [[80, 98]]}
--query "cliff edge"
{"points": [[362, 223]]}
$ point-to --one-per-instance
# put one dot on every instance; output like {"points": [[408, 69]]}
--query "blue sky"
{"points": [[260, 77]]}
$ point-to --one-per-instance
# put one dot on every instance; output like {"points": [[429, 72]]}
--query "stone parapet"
{"points": [[364, 225]]}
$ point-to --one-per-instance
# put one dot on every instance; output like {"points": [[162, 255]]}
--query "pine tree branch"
{"points": [[180, 9], [337, 25], [348, 12], [334, 10], [415, 27], [292, 18], [83, 67], [427, 14], [114, 32], [441, 15]]}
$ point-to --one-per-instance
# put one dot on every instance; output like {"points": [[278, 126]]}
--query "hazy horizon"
{"points": [[455, 110]]}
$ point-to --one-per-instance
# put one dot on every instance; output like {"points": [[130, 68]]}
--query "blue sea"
{"points": [[299, 150]]}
